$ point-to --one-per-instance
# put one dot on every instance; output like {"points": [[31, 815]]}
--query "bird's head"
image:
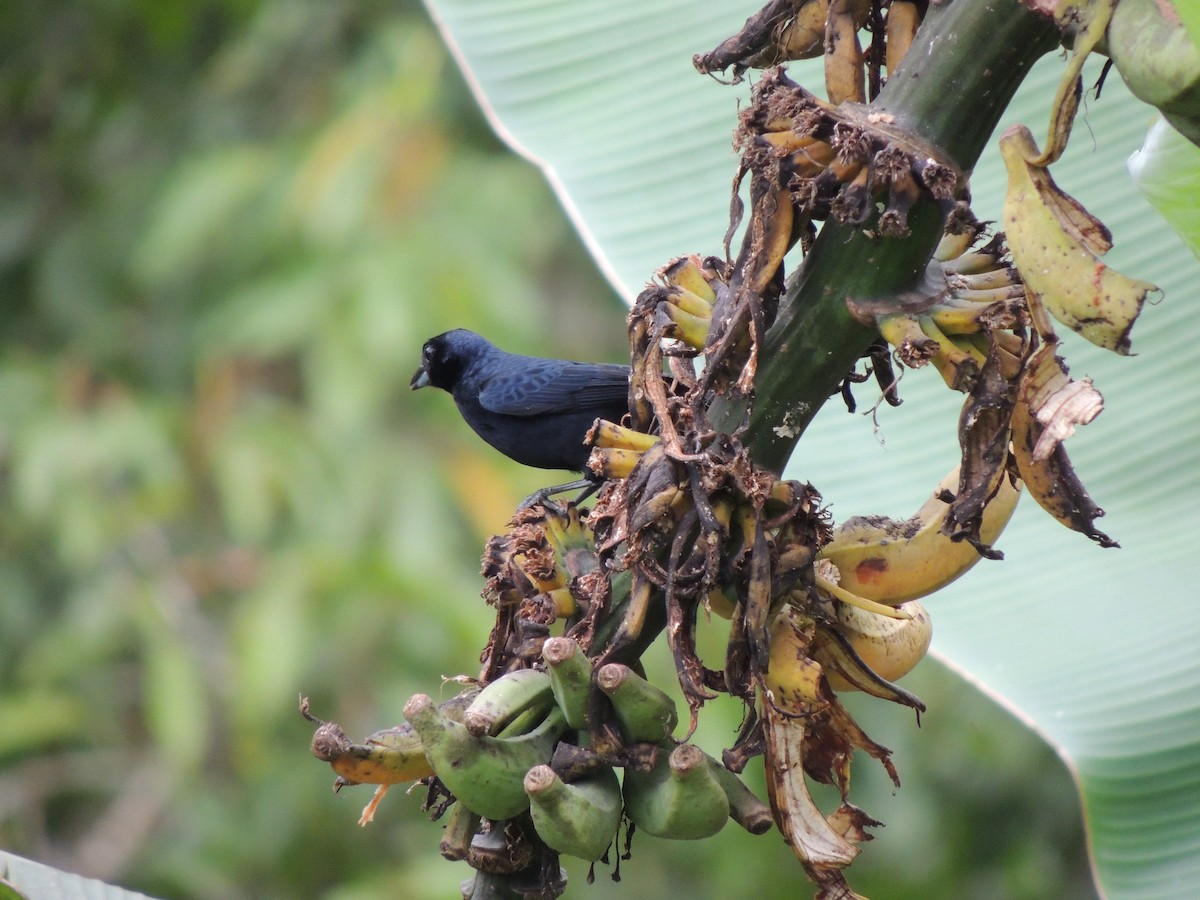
{"points": [[444, 358]]}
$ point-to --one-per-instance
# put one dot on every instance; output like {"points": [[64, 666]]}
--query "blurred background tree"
{"points": [[225, 230]]}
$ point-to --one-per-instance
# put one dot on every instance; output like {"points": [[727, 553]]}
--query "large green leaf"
{"points": [[1095, 649], [1167, 169]]}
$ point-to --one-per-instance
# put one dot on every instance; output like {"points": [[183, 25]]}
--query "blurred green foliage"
{"points": [[225, 230]]}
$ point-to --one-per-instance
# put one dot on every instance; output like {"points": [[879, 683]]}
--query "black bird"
{"points": [[533, 410]]}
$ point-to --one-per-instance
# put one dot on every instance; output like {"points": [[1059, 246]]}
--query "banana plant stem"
{"points": [[966, 62]]}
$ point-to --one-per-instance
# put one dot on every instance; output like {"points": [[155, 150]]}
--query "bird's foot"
{"points": [[585, 486]]}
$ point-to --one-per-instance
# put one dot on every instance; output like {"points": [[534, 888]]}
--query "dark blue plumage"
{"points": [[534, 410]]}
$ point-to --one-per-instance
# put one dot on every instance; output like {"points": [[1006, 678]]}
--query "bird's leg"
{"points": [[586, 487]]}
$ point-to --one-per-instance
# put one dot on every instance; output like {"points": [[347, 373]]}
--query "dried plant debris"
{"points": [[840, 162], [785, 30]]}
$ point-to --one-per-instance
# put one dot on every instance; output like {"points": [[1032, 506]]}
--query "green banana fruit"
{"points": [[645, 713], [687, 272], [970, 262], [613, 462], [609, 434], [680, 798], [689, 328], [506, 698], [953, 245], [389, 756], [903, 332], [903, 20], [845, 74], [969, 318], [745, 807], [579, 819], [957, 362], [485, 773], [570, 673], [793, 679]]}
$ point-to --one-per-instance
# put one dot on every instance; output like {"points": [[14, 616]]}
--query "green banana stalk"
{"points": [[461, 825], [570, 673], [485, 773], [645, 713], [579, 819], [680, 798], [1158, 60], [501, 848]]}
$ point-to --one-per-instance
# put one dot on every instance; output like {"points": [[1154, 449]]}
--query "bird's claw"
{"points": [[585, 486]]}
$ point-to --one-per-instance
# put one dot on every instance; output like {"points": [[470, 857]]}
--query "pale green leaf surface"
{"points": [[35, 881], [1167, 169], [604, 97], [1093, 648]]}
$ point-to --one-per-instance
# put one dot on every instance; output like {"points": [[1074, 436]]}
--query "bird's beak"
{"points": [[420, 379]]}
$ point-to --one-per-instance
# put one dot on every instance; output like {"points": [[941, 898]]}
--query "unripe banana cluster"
{"points": [[558, 750], [529, 763]]}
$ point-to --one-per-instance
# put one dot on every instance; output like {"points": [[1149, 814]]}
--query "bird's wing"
{"points": [[551, 385]]}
